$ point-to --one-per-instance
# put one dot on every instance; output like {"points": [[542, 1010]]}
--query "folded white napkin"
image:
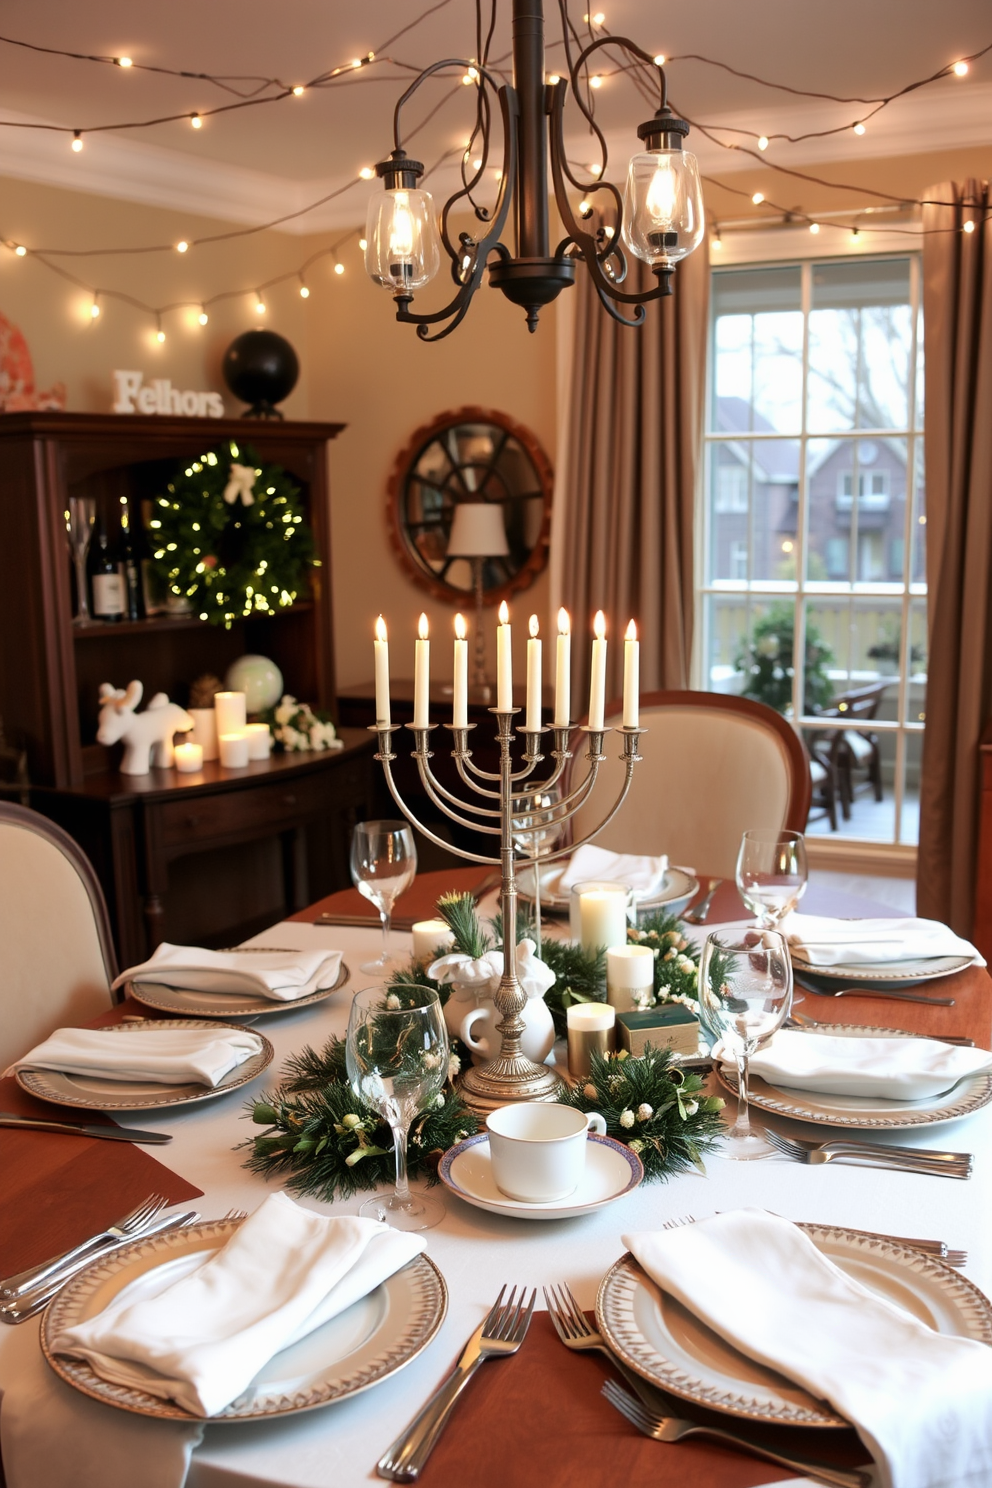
{"points": [[920, 1401], [202, 1339], [889, 1068], [281, 975], [826, 942], [170, 1056], [644, 875]]}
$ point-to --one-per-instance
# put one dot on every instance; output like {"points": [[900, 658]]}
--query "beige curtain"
{"points": [[633, 446], [957, 308]]}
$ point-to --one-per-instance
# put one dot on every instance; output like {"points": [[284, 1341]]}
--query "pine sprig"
{"points": [[580, 976], [676, 959], [653, 1106], [459, 913]]}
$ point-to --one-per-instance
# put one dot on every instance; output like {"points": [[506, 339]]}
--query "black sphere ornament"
{"points": [[261, 368]]}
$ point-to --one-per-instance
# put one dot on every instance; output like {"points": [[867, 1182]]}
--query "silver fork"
{"points": [[672, 1429], [800, 1020], [501, 1333], [899, 1159], [699, 913], [572, 1327], [27, 1280]]}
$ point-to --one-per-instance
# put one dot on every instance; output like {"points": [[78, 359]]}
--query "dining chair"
{"points": [[57, 957], [712, 766]]}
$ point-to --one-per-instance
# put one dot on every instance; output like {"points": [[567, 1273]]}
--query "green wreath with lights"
{"points": [[230, 535]]}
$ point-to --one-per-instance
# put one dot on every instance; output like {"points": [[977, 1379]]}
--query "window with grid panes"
{"points": [[813, 581]]}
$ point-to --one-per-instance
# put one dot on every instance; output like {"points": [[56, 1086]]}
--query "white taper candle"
{"points": [[532, 721], [597, 680], [422, 676], [631, 677], [381, 645], [504, 661], [459, 702], [563, 671]]}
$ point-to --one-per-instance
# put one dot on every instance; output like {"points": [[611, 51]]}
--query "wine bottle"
{"points": [[131, 560], [108, 600]]}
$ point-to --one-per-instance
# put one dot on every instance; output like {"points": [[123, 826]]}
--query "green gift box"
{"points": [[670, 1026]]}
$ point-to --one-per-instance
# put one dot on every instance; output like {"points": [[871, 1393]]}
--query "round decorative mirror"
{"points": [[470, 499]]}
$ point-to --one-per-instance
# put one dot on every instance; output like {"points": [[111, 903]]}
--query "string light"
{"points": [[123, 61], [20, 250], [595, 170], [304, 291], [339, 268], [196, 121], [476, 165], [659, 61], [94, 309], [182, 246], [259, 303], [814, 228], [159, 334], [758, 198], [363, 243], [585, 208], [77, 140], [203, 317], [298, 91], [367, 173], [969, 227], [960, 69], [596, 82], [763, 142], [858, 128], [717, 241], [855, 234], [554, 80]]}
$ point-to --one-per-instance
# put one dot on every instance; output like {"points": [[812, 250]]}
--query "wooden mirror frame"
{"points": [[402, 467]]}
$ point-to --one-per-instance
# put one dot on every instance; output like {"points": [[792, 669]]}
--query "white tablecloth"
{"points": [[477, 1252]]}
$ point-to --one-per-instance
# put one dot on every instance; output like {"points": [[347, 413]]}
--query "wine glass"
{"points": [[771, 874], [745, 993], [396, 1052], [536, 833], [383, 866], [79, 529]]}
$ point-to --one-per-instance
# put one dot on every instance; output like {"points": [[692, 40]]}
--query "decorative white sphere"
{"points": [[258, 678]]}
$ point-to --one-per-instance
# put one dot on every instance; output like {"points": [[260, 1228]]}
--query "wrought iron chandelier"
{"points": [[659, 217]]}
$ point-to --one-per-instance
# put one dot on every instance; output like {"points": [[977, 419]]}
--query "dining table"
{"points": [[537, 1418]]}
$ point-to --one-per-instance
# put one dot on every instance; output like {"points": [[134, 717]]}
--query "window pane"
{"points": [[726, 624], [909, 828], [918, 569], [757, 351], [852, 647], [764, 656], [916, 692], [859, 766], [860, 344]]}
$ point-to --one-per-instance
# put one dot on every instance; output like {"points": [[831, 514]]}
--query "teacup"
{"points": [[538, 1150]]}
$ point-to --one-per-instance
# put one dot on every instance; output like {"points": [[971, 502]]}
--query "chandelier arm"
{"points": [[635, 51], [460, 852], [609, 305], [483, 124], [494, 82]]}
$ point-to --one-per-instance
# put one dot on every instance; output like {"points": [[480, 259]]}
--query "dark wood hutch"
{"points": [[279, 829]]}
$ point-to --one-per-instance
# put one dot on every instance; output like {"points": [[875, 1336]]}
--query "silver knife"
{"points": [[112, 1133], [429, 1420]]}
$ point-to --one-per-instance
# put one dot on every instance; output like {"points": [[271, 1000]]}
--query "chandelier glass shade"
{"points": [[658, 218]]}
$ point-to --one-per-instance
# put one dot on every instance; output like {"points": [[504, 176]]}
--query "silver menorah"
{"points": [[510, 1076]]}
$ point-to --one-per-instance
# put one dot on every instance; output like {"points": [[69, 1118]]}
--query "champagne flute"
{"points": [[771, 874], [396, 1053], [536, 834], [745, 993], [79, 529], [383, 866]]}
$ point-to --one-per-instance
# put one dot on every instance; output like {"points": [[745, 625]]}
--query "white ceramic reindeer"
{"points": [[147, 736]]}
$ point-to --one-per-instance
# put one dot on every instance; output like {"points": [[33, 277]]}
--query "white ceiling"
{"points": [[253, 164]]}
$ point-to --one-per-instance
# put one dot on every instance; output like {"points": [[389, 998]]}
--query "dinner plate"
{"points": [[679, 887], [668, 1345], [225, 1004], [865, 1113], [892, 973], [370, 1340], [94, 1093], [612, 1170]]}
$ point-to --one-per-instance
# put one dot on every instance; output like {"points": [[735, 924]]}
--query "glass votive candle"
{"points": [[430, 937], [233, 750], [231, 711], [591, 1030], [629, 976], [189, 758], [598, 913], [259, 740]]}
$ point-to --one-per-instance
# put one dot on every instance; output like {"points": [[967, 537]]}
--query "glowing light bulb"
{"points": [[717, 241], [969, 227], [814, 228], [662, 194], [367, 173], [363, 243], [77, 142], [203, 317], [758, 198], [467, 79], [595, 170], [94, 309], [298, 91], [659, 61], [598, 18], [585, 208], [182, 246], [401, 229], [960, 69], [859, 128], [159, 335], [195, 121], [339, 268], [855, 234], [763, 142], [356, 62], [259, 304], [596, 82], [476, 165], [304, 292], [554, 79], [126, 62], [20, 250]]}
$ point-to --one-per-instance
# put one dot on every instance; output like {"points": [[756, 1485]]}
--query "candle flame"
{"points": [[534, 627], [504, 614], [380, 629], [461, 629], [630, 634], [599, 625], [564, 623], [422, 628]]}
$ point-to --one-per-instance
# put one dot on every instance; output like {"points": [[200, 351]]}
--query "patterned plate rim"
{"points": [[227, 1011], [856, 972], [977, 1094], [614, 1314], [427, 1315], [33, 1081], [657, 901], [513, 1206]]}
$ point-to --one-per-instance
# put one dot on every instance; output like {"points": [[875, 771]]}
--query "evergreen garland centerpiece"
{"points": [[676, 959], [230, 536]]}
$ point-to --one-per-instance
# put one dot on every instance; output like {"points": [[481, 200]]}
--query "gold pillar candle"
{"points": [[590, 1031]]}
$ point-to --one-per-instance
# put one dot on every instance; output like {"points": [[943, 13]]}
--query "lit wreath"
{"points": [[230, 535]]}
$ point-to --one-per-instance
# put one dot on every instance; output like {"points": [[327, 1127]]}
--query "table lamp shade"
{"points": [[477, 531]]}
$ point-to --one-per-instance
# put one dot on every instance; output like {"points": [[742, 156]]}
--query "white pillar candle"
{"points": [[504, 661], [422, 676], [234, 750], [259, 740], [459, 702], [430, 936], [597, 679], [629, 970], [381, 646], [591, 1029], [189, 758], [590, 1015], [231, 712], [204, 731], [631, 677], [563, 671], [534, 681], [602, 916]]}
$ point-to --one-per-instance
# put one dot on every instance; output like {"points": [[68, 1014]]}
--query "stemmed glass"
{"points": [[771, 874], [383, 866], [536, 832], [79, 529], [397, 1059], [745, 993]]}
